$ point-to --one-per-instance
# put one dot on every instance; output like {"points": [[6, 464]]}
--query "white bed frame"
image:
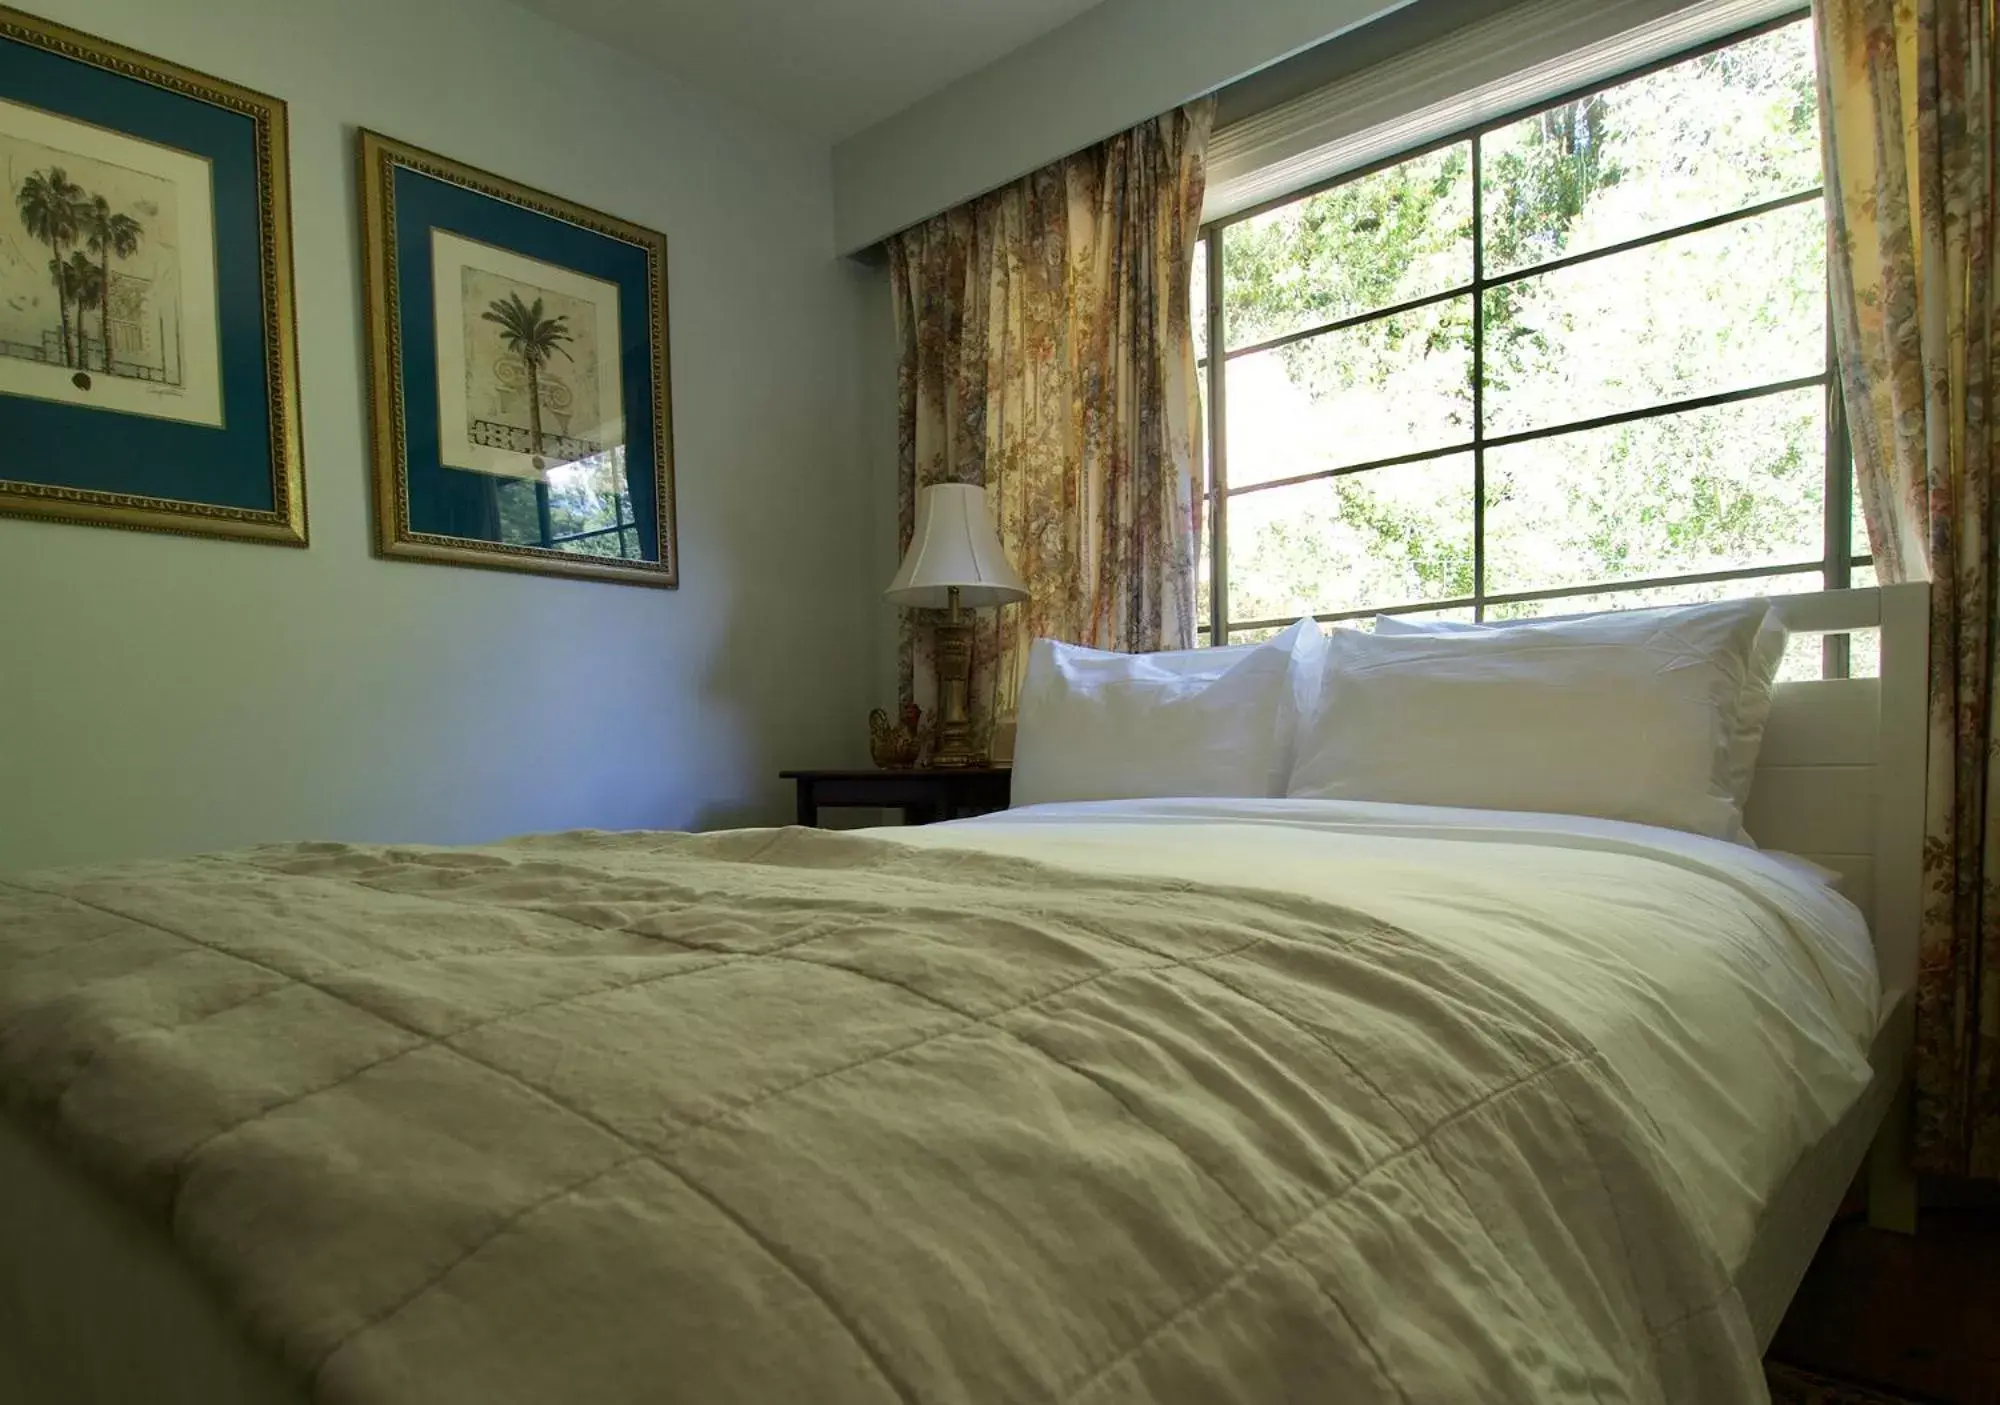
{"points": [[1840, 781]]}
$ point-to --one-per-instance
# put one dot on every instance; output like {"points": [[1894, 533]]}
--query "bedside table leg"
{"points": [[808, 806]]}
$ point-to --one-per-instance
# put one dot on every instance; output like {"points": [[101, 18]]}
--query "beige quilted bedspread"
{"points": [[793, 1116]]}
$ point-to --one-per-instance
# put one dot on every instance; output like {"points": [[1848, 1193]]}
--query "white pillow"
{"points": [[1753, 705], [1104, 726], [1536, 717]]}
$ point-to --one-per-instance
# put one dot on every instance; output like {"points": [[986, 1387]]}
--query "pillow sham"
{"points": [[1094, 725], [1753, 704], [1639, 727]]}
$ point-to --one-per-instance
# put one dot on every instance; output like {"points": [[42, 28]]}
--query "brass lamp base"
{"points": [[956, 746]]}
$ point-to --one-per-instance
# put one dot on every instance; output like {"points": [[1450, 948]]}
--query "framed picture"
{"points": [[148, 359], [518, 368]]}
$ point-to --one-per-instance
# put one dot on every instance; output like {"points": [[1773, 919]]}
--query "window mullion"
{"points": [[1835, 649], [1554, 594], [1341, 324], [1218, 448], [1478, 386], [1743, 215]]}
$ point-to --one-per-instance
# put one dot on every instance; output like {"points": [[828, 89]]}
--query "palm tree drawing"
{"points": [[81, 282], [106, 233], [534, 338], [48, 202]]}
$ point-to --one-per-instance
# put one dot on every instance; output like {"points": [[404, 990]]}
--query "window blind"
{"points": [[1527, 54]]}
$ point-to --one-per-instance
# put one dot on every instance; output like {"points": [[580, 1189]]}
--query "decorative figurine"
{"points": [[896, 746]]}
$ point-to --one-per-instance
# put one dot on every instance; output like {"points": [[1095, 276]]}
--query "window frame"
{"points": [[1837, 560]]}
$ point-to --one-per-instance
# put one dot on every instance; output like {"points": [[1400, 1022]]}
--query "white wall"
{"points": [[161, 695], [1111, 67]]}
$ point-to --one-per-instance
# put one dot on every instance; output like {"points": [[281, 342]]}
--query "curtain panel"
{"points": [[1046, 353], [1907, 103]]}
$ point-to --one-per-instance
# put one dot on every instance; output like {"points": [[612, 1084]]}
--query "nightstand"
{"points": [[924, 796]]}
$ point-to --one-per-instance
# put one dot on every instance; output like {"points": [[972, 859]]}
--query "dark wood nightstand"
{"points": [[924, 796]]}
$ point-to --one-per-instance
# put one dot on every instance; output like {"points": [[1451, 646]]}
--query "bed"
{"points": [[1167, 1100]]}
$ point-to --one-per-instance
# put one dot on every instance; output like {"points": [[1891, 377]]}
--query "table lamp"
{"points": [[955, 564]]}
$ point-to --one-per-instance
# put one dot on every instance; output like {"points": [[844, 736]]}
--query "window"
{"points": [[1574, 359]]}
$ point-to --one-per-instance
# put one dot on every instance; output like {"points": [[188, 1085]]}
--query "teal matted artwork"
{"points": [[518, 359], [148, 357]]}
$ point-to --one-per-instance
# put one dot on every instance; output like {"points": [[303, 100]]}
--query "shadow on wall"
{"points": [[789, 676], [772, 714]]}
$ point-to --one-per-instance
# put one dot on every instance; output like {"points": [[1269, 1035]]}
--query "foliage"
{"points": [[584, 497], [1538, 184], [1733, 486]]}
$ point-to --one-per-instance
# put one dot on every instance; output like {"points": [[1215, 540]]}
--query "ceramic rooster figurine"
{"points": [[895, 746]]}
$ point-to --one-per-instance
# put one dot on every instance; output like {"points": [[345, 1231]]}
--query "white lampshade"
{"points": [[955, 545]]}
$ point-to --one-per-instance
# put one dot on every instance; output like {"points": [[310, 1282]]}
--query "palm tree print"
{"points": [[62, 214], [82, 282], [534, 338], [47, 201], [107, 233]]}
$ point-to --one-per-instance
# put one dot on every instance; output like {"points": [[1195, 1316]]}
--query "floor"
{"points": [[1917, 1316]]}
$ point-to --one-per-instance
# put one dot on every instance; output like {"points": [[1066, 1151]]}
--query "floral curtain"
{"points": [[1907, 97], [1046, 353]]}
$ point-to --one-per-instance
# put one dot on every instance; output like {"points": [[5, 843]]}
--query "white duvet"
{"points": [[1733, 991]]}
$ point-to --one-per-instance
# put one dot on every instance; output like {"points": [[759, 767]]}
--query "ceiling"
{"points": [[824, 67]]}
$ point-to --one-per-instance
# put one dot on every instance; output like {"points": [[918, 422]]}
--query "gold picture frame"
{"points": [[413, 368], [106, 456]]}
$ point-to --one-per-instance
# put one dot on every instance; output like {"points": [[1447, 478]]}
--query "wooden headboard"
{"points": [[1840, 780]]}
